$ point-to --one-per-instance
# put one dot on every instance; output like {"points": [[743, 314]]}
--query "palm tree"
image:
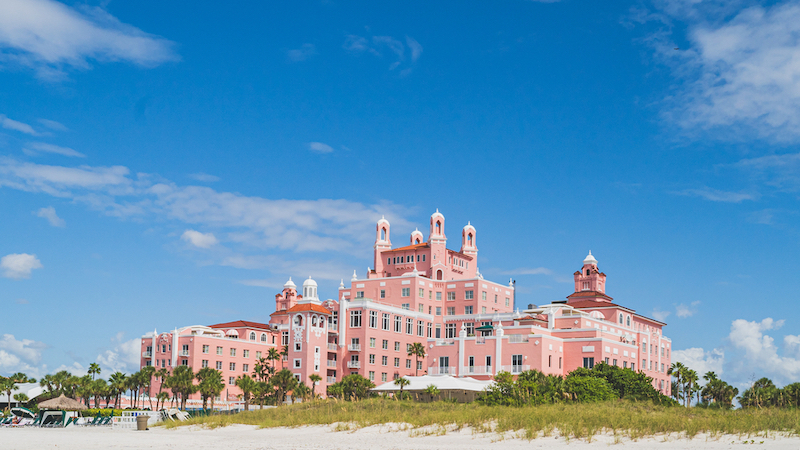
{"points": [[677, 370], [690, 379], [284, 354], [211, 384], [162, 375], [94, 369], [314, 380], [417, 350], [273, 355], [247, 386], [147, 381], [8, 385], [300, 391], [117, 382], [182, 383], [284, 381], [402, 382]]}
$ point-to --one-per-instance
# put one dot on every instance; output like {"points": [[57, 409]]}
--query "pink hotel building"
{"points": [[426, 293]]}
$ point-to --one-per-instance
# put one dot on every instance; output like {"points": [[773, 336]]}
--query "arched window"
{"points": [[314, 320], [628, 321], [587, 271], [252, 336], [620, 319], [298, 320], [439, 275], [469, 239], [383, 234], [438, 227], [263, 337]]}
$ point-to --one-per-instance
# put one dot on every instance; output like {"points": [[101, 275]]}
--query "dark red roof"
{"points": [[241, 324], [589, 294], [308, 307], [407, 247]]}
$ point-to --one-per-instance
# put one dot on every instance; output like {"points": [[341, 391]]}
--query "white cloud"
{"points": [[740, 68], [760, 354], [701, 361], [49, 36], [124, 356], [529, 271], [416, 48], [781, 172], [319, 147], [10, 124], [683, 311], [57, 180], [49, 213], [53, 125], [198, 239], [20, 355], [33, 147], [19, 265], [377, 44], [716, 195], [301, 54], [660, 315], [204, 177]]}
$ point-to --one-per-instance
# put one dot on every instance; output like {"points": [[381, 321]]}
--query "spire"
{"points": [[355, 277], [341, 284]]}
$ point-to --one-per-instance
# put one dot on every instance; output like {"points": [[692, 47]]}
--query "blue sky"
{"points": [[163, 166]]}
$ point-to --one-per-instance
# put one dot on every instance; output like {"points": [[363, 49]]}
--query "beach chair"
{"points": [[95, 421], [106, 420], [36, 421], [69, 421]]}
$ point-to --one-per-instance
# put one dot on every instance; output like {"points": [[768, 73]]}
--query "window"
{"points": [[204, 363], [383, 293], [624, 364], [628, 321], [359, 294], [373, 319], [252, 336], [258, 355], [409, 326], [419, 365], [232, 367], [483, 310], [451, 296], [471, 361], [231, 380], [405, 292], [451, 310], [205, 349], [483, 297], [614, 362], [233, 352], [219, 350], [298, 363], [408, 363], [439, 296], [470, 328], [383, 376], [620, 319], [488, 362], [420, 328], [423, 258], [398, 324], [450, 330], [588, 363], [264, 337], [516, 363], [549, 360], [430, 295], [371, 375], [298, 346], [644, 363], [219, 365], [406, 306], [421, 293], [397, 362], [438, 331], [245, 353], [372, 358], [384, 360], [469, 295], [633, 366], [507, 301], [468, 309], [385, 344], [371, 342], [430, 329], [355, 319], [438, 310], [284, 338], [245, 368], [421, 308], [396, 346], [385, 324]]}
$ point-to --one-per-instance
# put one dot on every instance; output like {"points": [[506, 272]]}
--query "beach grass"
{"points": [[582, 421]]}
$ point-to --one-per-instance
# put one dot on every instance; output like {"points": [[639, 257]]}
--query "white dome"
{"points": [[290, 284], [590, 259], [383, 220], [309, 282], [469, 226], [416, 232], [437, 213]]}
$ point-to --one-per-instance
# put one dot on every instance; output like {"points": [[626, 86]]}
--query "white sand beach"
{"points": [[244, 437]]}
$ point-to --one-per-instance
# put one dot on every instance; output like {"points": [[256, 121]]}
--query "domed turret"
{"points": [[589, 260], [468, 237], [416, 237], [437, 226], [290, 284], [310, 289]]}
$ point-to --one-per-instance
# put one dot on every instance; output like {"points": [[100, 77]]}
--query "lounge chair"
{"points": [[69, 421], [36, 421]]}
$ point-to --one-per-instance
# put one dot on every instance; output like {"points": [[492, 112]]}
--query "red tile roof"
{"points": [[407, 247], [308, 307], [241, 324], [589, 294]]}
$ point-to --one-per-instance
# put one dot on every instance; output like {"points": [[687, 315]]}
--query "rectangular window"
{"points": [[359, 294], [383, 376], [409, 326], [231, 380], [624, 364], [298, 346], [285, 338], [245, 368], [383, 293], [371, 342], [450, 330], [471, 361], [438, 296], [385, 344], [470, 328], [396, 346], [516, 363], [614, 362], [219, 365], [219, 350], [245, 353], [468, 309], [469, 295], [373, 319], [406, 306], [633, 366], [588, 363], [451, 310], [421, 293], [385, 323], [644, 363], [408, 363], [372, 358], [483, 297], [507, 301], [438, 331], [430, 329], [405, 292], [232, 367], [483, 310], [384, 360], [423, 258], [204, 363], [355, 319], [420, 328], [430, 295], [397, 362], [398, 324], [258, 355], [549, 360], [233, 352], [488, 362], [205, 349], [421, 308], [451, 296], [371, 375], [438, 310], [298, 363], [417, 258]]}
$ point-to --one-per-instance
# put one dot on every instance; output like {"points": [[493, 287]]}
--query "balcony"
{"points": [[478, 370], [332, 363], [333, 347], [515, 369], [435, 370], [354, 364], [333, 327], [183, 353], [331, 380], [517, 338], [147, 354], [354, 347], [440, 343]]}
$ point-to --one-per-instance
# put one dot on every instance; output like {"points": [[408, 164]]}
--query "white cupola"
{"points": [[589, 260], [310, 289], [290, 284]]}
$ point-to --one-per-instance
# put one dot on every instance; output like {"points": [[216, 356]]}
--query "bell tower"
{"points": [[589, 278], [382, 243]]}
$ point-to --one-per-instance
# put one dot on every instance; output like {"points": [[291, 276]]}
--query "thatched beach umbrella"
{"points": [[64, 403]]}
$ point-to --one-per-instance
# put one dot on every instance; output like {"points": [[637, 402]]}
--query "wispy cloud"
{"points": [[19, 265], [778, 171], [20, 355], [660, 315], [301, 54], [49, 213], [48, 37], [198, 239], [53, 125], [377, 45], [10, 124], [683, 311], [716, 195], [319, 147], [32, 148], [204, 177]]}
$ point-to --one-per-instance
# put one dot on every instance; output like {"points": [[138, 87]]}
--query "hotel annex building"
{"points": [[424, 292]]}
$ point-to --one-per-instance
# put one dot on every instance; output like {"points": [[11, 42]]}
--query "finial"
{"points": [[355, 277], [469, 223], [382, 216], [341, 284]]}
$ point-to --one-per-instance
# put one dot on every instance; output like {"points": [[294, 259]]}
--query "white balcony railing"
{"points": [[331, 380], [515, 369], [445, 342], [354, 364], [354, 347], [183, 353], [478, 370], [333, 327], [147, 354], [517, 338], [436, 370], [332, 347], [332, 363]]}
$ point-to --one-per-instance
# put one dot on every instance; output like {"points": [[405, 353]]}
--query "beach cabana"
{"points": [[54, 412], [464, 389]]}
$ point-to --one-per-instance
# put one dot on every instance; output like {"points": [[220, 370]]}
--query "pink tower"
{"points": [[308, 334], [438, 244]]}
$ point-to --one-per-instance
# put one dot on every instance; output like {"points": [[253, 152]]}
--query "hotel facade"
{"points": [[425, 293]]}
